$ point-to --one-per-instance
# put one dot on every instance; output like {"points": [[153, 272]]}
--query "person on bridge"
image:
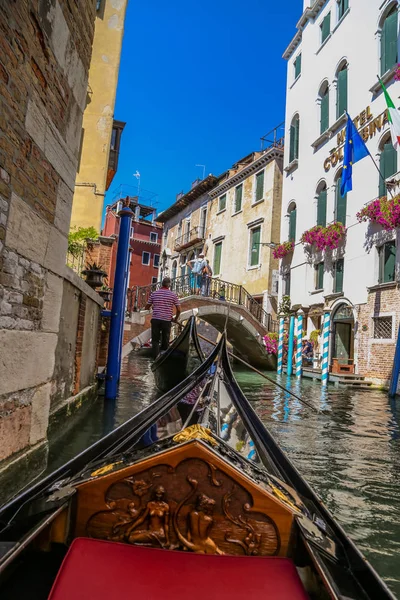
{"points": [[162, 301], [197, 265]]}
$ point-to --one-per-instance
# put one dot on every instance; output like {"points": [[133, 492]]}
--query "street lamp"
{"points": [[271, 245]]}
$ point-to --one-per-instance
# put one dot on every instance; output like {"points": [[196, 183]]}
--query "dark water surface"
{"points": [[349, 453]]}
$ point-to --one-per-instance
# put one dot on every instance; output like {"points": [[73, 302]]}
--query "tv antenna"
{"points": [[204, 169]]}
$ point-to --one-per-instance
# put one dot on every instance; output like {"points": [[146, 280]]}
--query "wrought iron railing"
{"points": [[215, 288], [190, 237]]}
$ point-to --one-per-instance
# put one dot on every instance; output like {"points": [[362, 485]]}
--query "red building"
{"points": [[145, 244]]}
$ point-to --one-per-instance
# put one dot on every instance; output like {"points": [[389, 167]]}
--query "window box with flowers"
{"points": [[384, 211], [283, 250], [270, 342], [324, 237], [397, 73]]}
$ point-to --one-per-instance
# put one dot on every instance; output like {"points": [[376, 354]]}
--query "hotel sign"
{"points": [[367, 126]]}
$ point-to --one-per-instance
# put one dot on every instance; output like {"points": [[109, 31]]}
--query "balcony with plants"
{"points": [[323, 238], [189, 238]]}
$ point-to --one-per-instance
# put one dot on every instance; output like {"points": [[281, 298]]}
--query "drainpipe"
{"points": [[290, 348], [118, 304]]}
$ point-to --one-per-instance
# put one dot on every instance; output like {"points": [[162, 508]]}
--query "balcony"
{"points": [[194, 236]]}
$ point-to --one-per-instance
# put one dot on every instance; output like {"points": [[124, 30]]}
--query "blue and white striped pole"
{"points": [[280, 344], [325, 346], [289, 369], [299, 347]]}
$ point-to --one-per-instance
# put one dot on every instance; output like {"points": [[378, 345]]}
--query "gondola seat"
{"points": [[99, 570]]}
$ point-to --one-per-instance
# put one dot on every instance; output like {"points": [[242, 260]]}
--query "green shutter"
{"points": [[297, 66], [217, 258], [341, 205], [238, 198], [292, 143], [389, 42], [292, 225], [388, 165], [325, 27], [339, 269], [341, 104], [321, 208], [259, 186], [222, 202], [325, 111], [255, 247], [389, 266], [319, 279], [294, 139], [343, 6]]}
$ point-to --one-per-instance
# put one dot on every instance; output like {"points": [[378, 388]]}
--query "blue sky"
{"points": [[200, 82]]}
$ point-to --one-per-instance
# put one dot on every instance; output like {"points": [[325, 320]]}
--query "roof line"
{"points": [[308, 15]]}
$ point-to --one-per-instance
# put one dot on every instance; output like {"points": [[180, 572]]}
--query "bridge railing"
{"points": [[224, 291]]}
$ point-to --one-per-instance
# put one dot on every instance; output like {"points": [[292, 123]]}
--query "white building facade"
{"points": [[333, 61]]}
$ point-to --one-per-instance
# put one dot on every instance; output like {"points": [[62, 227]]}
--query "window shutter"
{"points": [[255, 247], [296, 138], [321, 208], [297, 66], [341, 204], [292, 225], [339, 269], [389, 42], [389, 262], [320, 282], [341, 104], [259, 186], [217, 259], [388, 165], [325, 111], [326, 27], [238, 198], [292, 142]]}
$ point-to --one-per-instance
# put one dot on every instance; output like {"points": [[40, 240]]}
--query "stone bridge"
{"points": [[244, 330]]}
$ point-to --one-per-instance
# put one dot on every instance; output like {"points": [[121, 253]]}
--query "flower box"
{"points": [[283, 250], [324, 237], [384, 211]]}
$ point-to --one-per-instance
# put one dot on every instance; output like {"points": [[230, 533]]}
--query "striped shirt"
{"points": [[163, 302]]}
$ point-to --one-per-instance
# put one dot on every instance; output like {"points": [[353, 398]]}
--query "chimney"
{"points": [[196, 182], [179, 195]]}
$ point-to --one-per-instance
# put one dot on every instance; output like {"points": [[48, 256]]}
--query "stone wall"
{"points": [[45, 51]]}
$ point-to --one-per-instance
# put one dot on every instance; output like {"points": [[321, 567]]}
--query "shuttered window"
{"points": [[255, 235], [294, 139], [319, 276], [341, 204], [389, 41], [341, 100], [217, 259], [338, 281], [388, 165], [259, 186], [321, 208], [343, 6], [387, 262], [325, 110], [222, 203], [238, 198], [297, 66], [292, 225], [325, 27]]}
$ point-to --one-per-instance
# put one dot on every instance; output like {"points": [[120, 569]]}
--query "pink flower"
{"points": [[324, 237], [384, 211], [283, 250]]}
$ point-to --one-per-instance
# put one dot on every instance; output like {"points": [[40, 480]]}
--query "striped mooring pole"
{"points": [[280, 344], [325, 346], [299, 347], [289, 368]]}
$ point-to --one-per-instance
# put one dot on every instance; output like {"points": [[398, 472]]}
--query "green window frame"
{"points": [[389, 50], [343, 5], [319, 276], [259, 186], [292, 224], [217, 258], [321, 207], [297, 66], [340, 203], [325, 27], [254, 254], [222, 203], [387, 165], [294, 139], [238, 199], [341, 97], [324, 110], [338, 276], [286, 284], [387, 262]]}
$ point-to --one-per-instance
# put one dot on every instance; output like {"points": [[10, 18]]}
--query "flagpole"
{"points": [[377, 168]]}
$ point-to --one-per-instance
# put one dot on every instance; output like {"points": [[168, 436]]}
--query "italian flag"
{"points": [[394, 118]]}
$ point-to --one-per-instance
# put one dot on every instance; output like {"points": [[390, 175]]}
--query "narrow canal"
{"points": [[349, 452]]}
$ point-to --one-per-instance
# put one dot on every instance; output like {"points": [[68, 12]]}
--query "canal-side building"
{"points": [[333, 60], [244, 216], [101, 133]]}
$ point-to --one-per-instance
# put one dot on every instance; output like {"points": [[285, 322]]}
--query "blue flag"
{"points": [[354, 150]]}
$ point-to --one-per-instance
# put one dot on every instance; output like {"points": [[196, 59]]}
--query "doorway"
{"points": [[343, 336]]}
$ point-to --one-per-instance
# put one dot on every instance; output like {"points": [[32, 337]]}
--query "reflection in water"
{"points": [[349, 453]]}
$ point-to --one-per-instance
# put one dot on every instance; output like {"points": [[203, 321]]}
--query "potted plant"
{"points": [[105, 292], [324, 237], [314, 339], [270, 341], [283, 250], [94, 274]]}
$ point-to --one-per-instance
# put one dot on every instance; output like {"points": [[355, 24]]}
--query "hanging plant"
{"points": [[271, 343], [397, 73], [283, 250], [324, 237], [384, 211]]}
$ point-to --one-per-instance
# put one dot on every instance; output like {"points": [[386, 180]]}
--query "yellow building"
{"points": [[100, 133], [244, 216]]}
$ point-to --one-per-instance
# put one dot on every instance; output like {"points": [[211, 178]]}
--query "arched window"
{"points": [[292, 222], [174, 269], [387, 163], [321, 205], [340, 202], [294, 138], [389, 53], [341, 93], [324, 107], [183, 265]]}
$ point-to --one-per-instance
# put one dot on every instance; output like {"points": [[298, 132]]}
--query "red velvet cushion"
{"points": [[97, 570]]}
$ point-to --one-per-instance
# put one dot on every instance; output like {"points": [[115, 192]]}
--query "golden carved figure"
{"points": [[157, 516], [195, 432]]}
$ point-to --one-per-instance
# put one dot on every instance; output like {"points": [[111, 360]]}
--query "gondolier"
{"points": [[162, 301]]}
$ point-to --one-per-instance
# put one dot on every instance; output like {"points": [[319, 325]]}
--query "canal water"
{"points": [[349, 451]]}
